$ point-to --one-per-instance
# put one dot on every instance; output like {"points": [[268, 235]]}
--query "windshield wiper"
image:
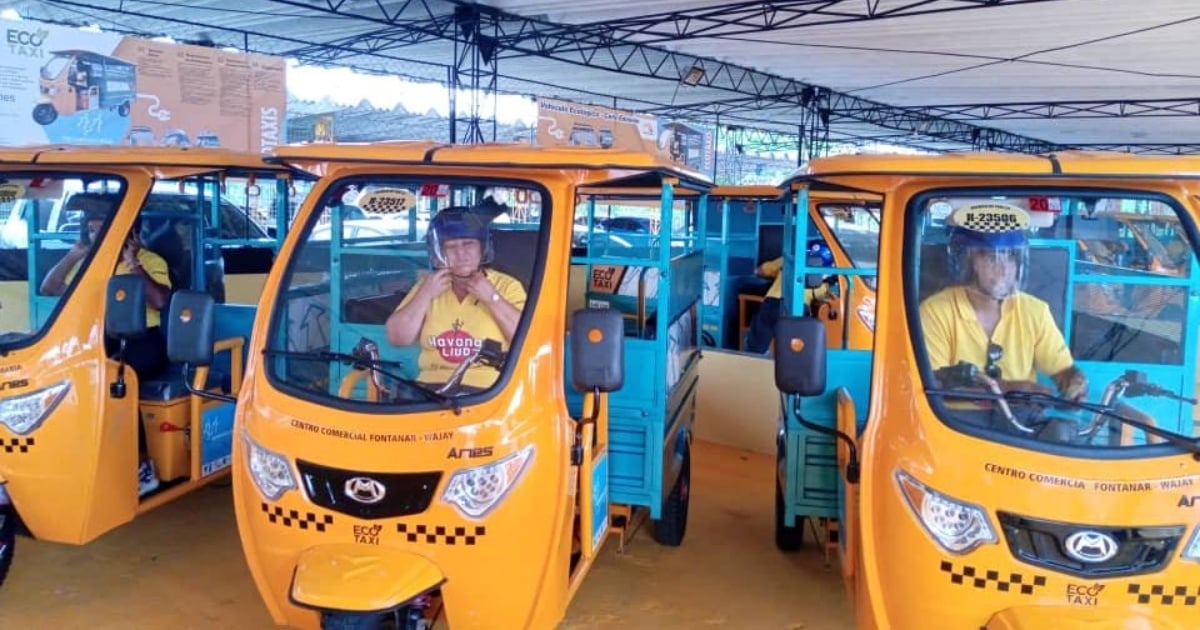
{"points": [[362, 362], [1188, 443]]}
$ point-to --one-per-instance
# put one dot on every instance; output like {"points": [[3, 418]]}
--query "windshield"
{"points": [[40, 225], [407, 291], [1068, 309], [856, 229], [54, 67]]}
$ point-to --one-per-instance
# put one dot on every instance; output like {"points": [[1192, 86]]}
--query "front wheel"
{"points": [[407, 618], [8, 539], [44, 114], [669, 530]]}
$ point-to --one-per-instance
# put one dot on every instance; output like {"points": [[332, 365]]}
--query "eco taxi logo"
{"points": [[991, 217], [455, 345], [23, 43]]}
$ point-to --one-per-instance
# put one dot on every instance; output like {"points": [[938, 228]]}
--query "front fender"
{"points": [[1092, 618], [356, 578]]}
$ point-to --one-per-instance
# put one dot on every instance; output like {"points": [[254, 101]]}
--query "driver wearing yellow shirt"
{"points": [[985, 319], [451, 311]]}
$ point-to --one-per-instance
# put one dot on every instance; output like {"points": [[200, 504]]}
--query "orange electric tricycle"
{"points": [[433, 424], [92, 227], [1005, 454]]}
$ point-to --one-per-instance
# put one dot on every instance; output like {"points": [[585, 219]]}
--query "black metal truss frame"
{"points": [[812, 108], [519, 36], [1138, 108], [748, 17]]}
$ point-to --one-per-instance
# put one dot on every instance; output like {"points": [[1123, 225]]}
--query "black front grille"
{"points": [[1044, 543], [404, 493]]}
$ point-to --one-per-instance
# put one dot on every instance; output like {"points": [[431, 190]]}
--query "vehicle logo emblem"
{"points": [[1091, 546], [365, 490]]}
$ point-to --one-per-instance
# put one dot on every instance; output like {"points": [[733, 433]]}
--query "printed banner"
{"points": [[63, 85], [563, 123]]}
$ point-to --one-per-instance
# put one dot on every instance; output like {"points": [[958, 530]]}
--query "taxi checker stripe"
{"points": [[970, 575], [17, 444], [448, 535], [1167, 596], [276, 514]]}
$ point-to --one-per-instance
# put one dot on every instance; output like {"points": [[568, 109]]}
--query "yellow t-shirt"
{"points": [[773, 269], [452, 330], [153, 264], [1026, 331]]}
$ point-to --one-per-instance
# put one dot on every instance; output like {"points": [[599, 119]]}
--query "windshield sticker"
{"points": [[990, 217], [1093, 485], [387, 201], [363, 436]]}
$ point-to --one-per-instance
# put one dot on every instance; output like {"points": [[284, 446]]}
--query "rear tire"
{"points": [[787, 538], [670, 529]]}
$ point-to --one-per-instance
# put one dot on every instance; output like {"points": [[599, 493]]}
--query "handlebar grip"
{"points": [[957, 375]]}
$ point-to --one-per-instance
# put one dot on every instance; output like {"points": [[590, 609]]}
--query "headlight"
{"points": [[957, 526], [22, 414], [1192, 550], [475, 491], [270, 471]]}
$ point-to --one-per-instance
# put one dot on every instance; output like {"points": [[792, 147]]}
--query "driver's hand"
{"points": [[436, 282], [480, 287], [80, 248], [129, 255], [1076, 387], [1025, 386]]}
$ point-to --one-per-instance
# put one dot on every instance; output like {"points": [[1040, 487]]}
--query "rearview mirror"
{"points": [[597, 350], [190, 324], [125, 307], [800, 356]]}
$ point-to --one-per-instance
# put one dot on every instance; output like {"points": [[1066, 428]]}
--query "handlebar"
{"points": [[489, 353], [964, 374]]}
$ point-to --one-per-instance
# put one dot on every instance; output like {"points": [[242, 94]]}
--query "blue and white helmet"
{"points": [[456, 223], [817, 248], [994, 227]]}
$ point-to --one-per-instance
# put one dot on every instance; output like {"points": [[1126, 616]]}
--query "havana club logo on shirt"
{"points": [[455, 345]]}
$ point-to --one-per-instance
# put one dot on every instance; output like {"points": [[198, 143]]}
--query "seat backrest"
{"points": [[515, 253]]}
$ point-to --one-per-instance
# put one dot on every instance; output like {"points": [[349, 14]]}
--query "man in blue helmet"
{"points": [[460, 303], [762, 329], [984, 318]]}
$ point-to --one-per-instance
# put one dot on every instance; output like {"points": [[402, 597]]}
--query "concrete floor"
{"points": [[161, 571]]}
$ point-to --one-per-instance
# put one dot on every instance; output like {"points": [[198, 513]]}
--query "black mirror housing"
{"points": [[800, 355], [597, 350]]}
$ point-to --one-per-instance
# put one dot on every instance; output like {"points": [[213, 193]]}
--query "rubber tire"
{"points": [[44, 114], [353, 621], [671, 528], [8, 540], [786, 538]]}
